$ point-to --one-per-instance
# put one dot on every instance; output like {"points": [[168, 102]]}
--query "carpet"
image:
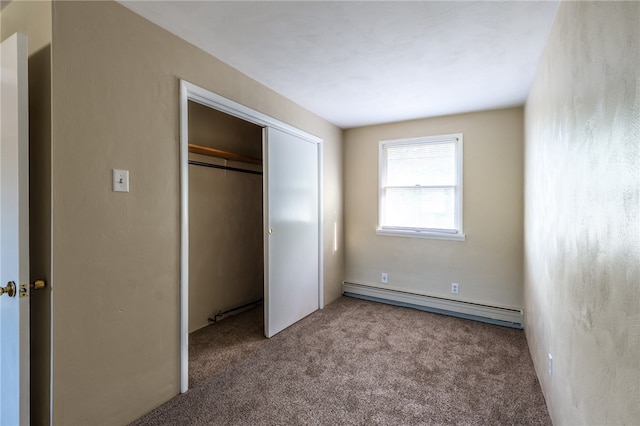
{"points": [[358, 362]]}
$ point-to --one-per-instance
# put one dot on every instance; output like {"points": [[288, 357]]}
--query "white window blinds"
{"points": [[420, 185]]}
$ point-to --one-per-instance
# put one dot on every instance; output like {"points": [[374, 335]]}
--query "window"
{"points": [[421, 187]]}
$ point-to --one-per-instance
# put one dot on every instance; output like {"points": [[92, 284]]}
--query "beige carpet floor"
{"points": [[358, 363]]}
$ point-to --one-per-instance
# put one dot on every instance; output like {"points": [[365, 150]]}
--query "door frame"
{"points": [[192, 92]]}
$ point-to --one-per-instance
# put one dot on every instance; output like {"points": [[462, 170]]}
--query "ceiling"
{"points": [[357, 63]]}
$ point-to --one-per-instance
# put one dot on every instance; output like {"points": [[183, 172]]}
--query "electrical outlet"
{"points": [[550, 365], [454, 288], [384, 278]]}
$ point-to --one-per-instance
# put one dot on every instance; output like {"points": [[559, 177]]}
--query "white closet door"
{"points": [[291, 208]]}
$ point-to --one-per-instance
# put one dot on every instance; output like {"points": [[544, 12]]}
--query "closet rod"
{"points": [[212, 152], [217, 166]]}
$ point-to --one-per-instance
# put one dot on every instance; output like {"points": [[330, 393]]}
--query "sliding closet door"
{"points": [[291, 208]]}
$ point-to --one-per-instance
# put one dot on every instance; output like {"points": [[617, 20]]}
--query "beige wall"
{"points": [[488, 265], [582, 245], [226, 267], [116, 255], [34, 20]]}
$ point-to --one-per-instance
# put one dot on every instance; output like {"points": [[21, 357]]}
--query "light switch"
{"points": [[120, 180]]}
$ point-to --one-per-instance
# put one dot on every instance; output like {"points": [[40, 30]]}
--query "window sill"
{"points": [[421, 234]]}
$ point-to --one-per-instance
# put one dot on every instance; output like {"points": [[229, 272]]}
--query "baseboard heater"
{"points": [[507, 317]]}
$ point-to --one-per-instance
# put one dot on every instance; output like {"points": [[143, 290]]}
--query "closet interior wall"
{"points": [[226, 261]]}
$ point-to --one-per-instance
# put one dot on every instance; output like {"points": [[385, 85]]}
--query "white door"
{"points": [[14, 232], [291, 208]]}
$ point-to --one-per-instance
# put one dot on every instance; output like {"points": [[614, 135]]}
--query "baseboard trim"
{"points": [[507, 317]]}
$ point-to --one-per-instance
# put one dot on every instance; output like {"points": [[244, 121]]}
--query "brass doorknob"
{"points": [[10, 289]]}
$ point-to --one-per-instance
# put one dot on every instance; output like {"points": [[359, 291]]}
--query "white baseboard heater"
{"points": [[507, 317]]}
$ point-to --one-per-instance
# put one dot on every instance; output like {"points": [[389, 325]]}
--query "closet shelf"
{"points": [[212, 152]]}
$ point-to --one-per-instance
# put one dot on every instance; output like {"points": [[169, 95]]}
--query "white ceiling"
{"points": [[368, 62]]}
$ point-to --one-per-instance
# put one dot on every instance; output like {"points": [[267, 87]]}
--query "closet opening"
{"points": [[226, 242], [282, 262]]}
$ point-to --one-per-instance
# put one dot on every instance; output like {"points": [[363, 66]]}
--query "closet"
{"points": [[226, 245], [246, 236]]}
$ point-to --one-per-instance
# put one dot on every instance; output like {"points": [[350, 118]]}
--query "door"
{"points": [[14, 233], [292, 222]]}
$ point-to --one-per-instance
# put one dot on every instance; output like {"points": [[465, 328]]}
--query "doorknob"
{"points": [[10, 289]]}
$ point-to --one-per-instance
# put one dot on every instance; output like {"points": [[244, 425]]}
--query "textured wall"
{"points": [[488, 265], [116, 255], [582, 244]]}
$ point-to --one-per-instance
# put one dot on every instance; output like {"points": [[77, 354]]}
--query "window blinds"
{"points": [[419, 184]]}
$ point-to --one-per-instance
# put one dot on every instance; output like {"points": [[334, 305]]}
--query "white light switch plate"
{"points": [[120, 180]]}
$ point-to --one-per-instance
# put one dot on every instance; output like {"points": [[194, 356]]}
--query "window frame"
{"points": [[440, 234]]}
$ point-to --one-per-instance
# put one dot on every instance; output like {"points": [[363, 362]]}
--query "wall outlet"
{"points": [[550, 365], [454, 288], [384, 278]]}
